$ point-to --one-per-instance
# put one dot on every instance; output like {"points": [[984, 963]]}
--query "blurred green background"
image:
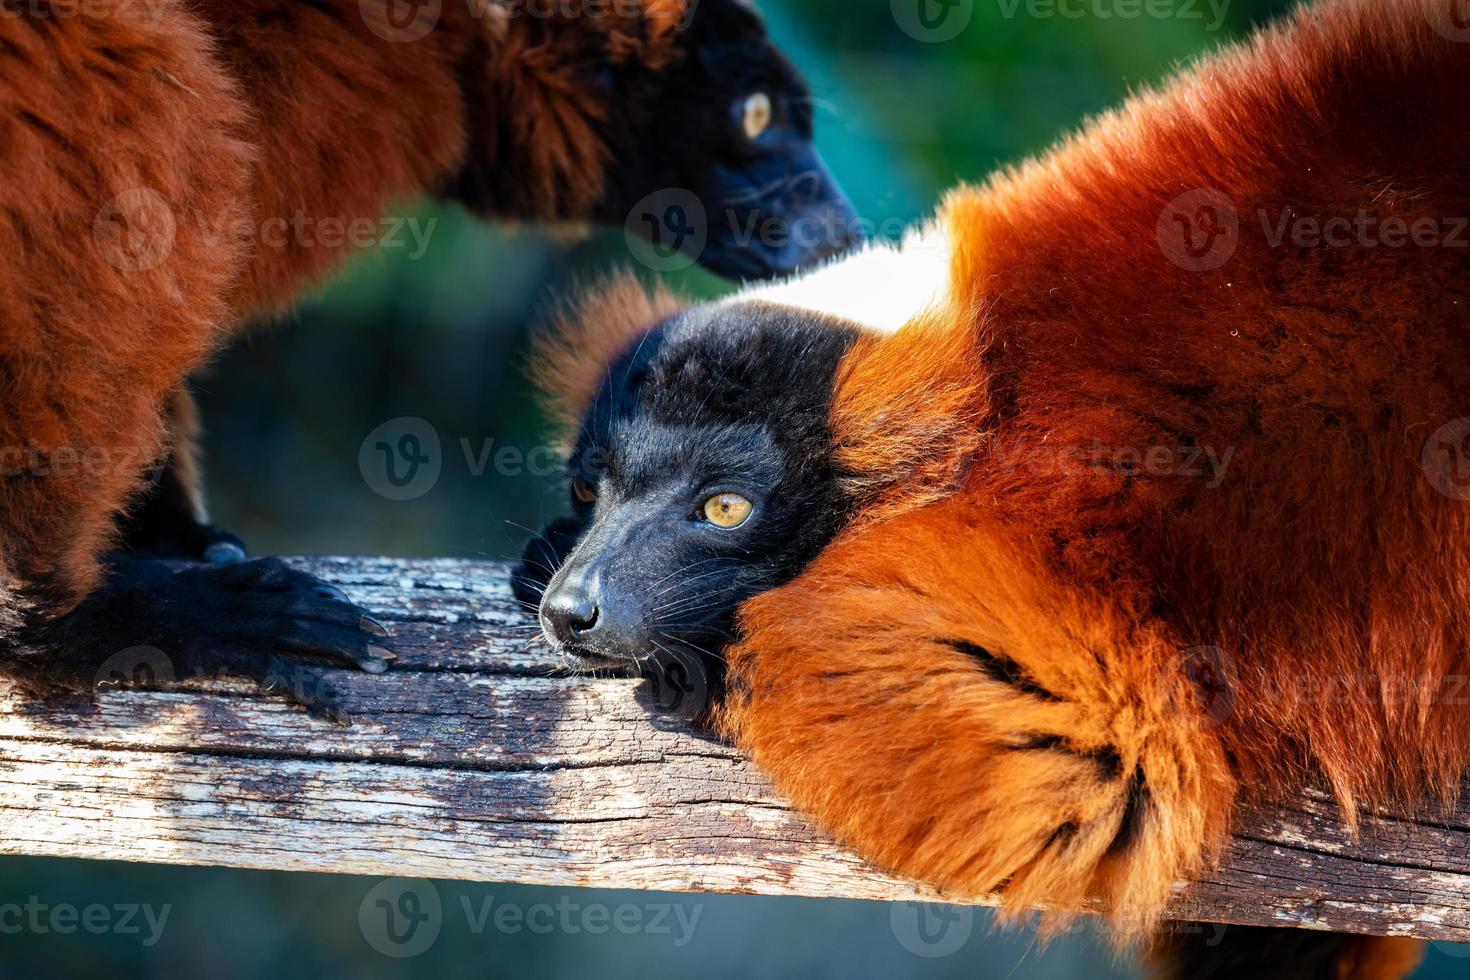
{"points": [[441, 337]]}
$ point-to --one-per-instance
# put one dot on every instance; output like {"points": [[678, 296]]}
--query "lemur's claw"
{"points": [[304, 686]]}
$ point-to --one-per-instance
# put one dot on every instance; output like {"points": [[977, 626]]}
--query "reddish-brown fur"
{"points": [[1380, 958], [94, 335], [570, 358], [157, 159], [1052, 652], [1320, 588]]}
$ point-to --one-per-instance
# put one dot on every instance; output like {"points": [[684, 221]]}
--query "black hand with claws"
{"points": [[186, 589], [258, 619]]}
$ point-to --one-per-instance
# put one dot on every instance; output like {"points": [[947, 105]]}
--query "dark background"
{"points": [[441, 338]]}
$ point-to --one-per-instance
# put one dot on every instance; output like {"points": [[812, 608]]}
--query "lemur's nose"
{"points": [[588, 616], [570, 615]]}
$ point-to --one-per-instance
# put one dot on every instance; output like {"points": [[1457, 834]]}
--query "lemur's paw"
{"points": [[975, 733], [279, 627], [260, 619]]}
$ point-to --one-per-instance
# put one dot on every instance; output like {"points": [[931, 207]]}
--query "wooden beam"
{"points": [[476, 759]]}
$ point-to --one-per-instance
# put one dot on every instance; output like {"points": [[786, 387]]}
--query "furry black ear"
{"points": [[570, 358]]}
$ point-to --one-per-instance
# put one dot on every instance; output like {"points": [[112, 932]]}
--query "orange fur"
{"points": [[1070, 754], [851, 695], [904, 438], [570, 357], [1381, 958], [344, 122]]}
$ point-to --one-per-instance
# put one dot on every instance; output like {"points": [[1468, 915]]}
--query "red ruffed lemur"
{"points": [[146, 149], [1124, 492]]}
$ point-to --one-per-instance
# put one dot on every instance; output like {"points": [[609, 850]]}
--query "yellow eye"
{"points": [[585, 492], [757, 115], [727, 510]]}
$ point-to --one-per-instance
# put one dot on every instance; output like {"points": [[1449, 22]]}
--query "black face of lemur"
{"points": [[730, 122], [703, 477]]}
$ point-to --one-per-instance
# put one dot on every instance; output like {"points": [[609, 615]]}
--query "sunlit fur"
{"points": [[1032, 667], [92, 108], [1326, 568]]}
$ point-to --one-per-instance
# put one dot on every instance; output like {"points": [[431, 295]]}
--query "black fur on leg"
{"points": [[167, 519], [163, 524]]}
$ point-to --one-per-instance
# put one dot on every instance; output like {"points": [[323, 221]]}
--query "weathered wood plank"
{"points": [[477, 758]]}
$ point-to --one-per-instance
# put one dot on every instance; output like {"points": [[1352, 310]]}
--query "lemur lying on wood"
{"points": [[946, 511]]}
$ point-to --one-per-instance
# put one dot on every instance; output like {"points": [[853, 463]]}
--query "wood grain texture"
{"points": [[478, 757]]}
